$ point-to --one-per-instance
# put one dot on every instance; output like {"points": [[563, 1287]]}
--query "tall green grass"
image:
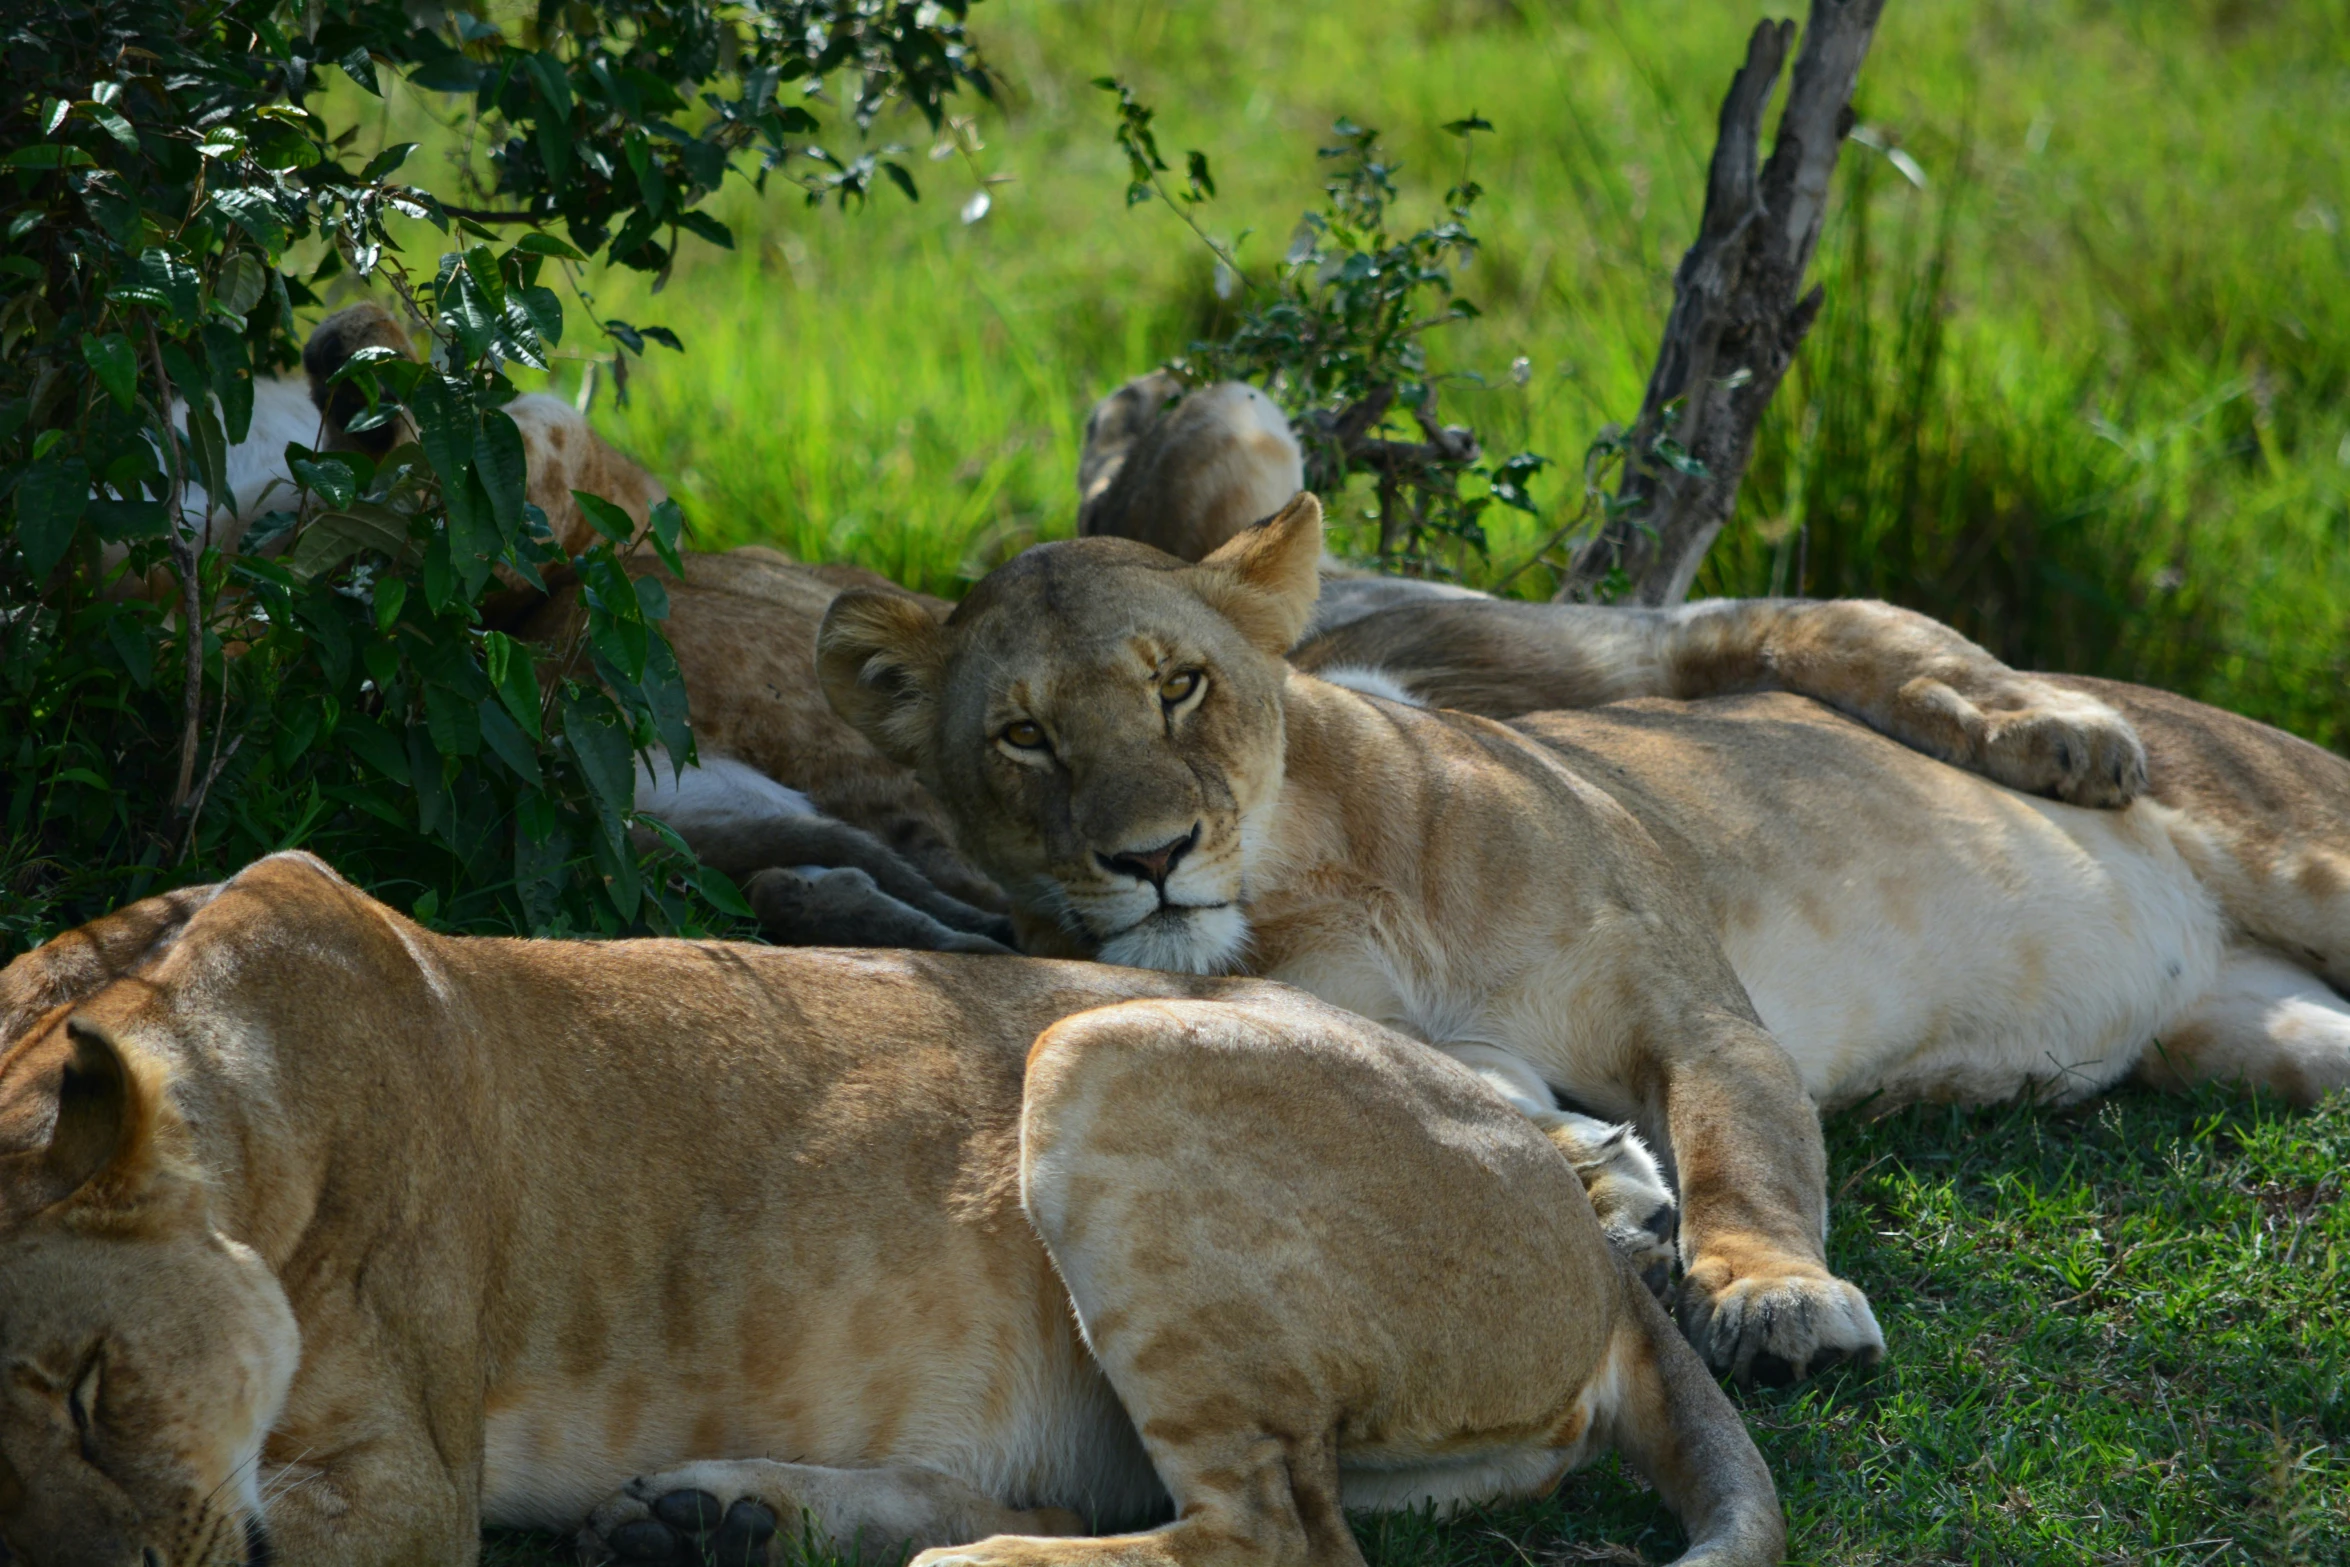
{"points": [[2084, 393]]}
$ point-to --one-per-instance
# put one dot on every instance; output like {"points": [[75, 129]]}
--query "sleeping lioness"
{"points": [[1592, 903], [324, 1239]]}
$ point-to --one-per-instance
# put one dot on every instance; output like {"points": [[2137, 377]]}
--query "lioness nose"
{"points": [[1153, 865]]}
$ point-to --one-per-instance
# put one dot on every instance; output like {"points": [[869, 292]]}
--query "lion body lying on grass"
{"points": [[324, 1239], [1587, 903]]}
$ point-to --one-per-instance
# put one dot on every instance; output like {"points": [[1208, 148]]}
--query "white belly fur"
{"points": [[2043, 948]]}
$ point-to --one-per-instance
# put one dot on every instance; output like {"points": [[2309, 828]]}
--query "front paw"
{"points": [[1774, 1327], [2046, 740], [659, 1520], [1627, 1190]]}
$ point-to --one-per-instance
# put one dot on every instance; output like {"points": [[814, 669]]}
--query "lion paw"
{"points": [[675, 1518], [2044, 739], [1776, 1328], [1627, 1190]]}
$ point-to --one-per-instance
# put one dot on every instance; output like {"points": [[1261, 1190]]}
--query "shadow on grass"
{"points": [[2117, 1334]]}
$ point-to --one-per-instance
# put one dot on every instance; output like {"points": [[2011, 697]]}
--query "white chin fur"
{"points": [[1201, 941]]}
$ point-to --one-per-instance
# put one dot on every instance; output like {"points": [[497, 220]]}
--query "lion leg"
{"points": [[729, 1510], [1757, 1297], [813, 907], [2265, 1023], [1914, 679]]}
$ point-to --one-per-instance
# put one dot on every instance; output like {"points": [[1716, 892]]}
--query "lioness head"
{"points": [[1104, 723], [143, 1356]]}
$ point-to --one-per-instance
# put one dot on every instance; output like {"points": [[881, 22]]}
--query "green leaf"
{"points": [[604, 517], [116, 365], [443, 408], [224, 357], [390, 594], [467, 311], [210, 447], [117, 521], [167, 281], [48, 155], [255, 213], [359, 65], [334, 537], [452, 721], [668, 524], [503, 468], [710, 228], [537, 244], [386, 161], [330, 478], [49, 501], [601, 749], [901, 179], [542, 309], [366, 739], [113, 124], [718, 889], [664, 693], [242, 283], [507, 741], [517, 682]]}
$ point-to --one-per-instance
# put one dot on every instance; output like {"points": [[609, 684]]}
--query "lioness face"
{"points": [[143, 1356], [1105, 724]]}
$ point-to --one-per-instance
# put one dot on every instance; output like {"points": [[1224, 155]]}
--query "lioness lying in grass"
{"points": [[325, 1239], [1591, 903]]}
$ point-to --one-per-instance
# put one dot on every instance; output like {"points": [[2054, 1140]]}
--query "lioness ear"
{"points": [[881, 657], [103, 1118], [1265, 579]]}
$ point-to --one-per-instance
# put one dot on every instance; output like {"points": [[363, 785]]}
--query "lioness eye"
{"points": [[1178, 686], [1027, 734]]}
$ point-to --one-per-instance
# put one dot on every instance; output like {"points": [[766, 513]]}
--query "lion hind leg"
{"points": [[730, 1510], [2266, 1023]]}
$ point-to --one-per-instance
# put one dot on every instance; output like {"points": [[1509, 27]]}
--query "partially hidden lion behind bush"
{"points": [[324, 1239]]}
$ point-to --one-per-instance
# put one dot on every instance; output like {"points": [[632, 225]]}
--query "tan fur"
{"points": [[1606, 898], [1183, 471], [317, 1226], [743, 626]]}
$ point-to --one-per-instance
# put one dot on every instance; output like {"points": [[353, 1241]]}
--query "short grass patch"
{"points": [[2118, 1335]]}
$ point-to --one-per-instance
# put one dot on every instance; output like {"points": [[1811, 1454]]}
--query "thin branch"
{"points": [[183, 555]]}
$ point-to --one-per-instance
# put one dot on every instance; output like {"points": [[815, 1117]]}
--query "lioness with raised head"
{"points": [[324, 1239], [1591, 903]]}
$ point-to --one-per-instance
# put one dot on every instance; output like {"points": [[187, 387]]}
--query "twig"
{"points": [[204, 789], [183, 555]]}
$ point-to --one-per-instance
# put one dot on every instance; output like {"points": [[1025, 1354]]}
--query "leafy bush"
{"points": [[1335, 336], [172, 193]]}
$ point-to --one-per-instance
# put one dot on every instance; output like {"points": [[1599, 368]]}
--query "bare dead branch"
{"points": [[1738, 316]]}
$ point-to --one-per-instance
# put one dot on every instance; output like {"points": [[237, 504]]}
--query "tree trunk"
{"points": [[1738, 316]]}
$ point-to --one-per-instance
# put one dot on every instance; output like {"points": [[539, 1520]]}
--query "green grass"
{"points": [[2117, 1334]]}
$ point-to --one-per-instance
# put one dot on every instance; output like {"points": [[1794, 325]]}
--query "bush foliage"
{"points": [[174, 193]]}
